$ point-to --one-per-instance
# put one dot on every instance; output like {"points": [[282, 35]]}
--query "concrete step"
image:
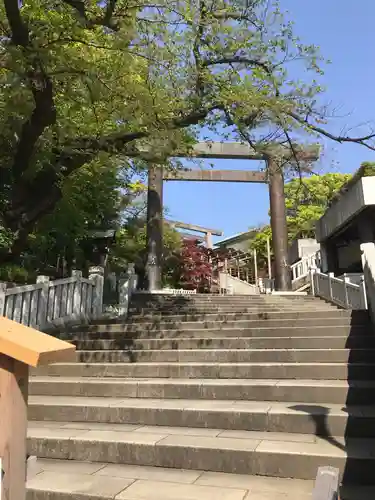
{"points": [[240, 323], [229, 356], [67, 479], [280, 455], [215, 297], [264, 298], [322, 420], [119, 343], [229, 309], [315, 371], [356, 316], [304, 391], [117, 331]]}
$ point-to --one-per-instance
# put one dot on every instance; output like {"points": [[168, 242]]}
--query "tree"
{"points": [[130, 246], [94, 198], [306, 200], [120, 79], [193, 269]]}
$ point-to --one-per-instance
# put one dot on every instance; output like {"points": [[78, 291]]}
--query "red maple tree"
{"points": [[194, 267]]}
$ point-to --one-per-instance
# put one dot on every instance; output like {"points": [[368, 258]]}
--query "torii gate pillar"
{"points": [[154, 227], [279, 226]]}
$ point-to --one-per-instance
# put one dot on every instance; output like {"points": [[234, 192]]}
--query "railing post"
{"points": [[346, 280], [3, 288], [43, 300], [312, 281], [77, 293], [124, 285], [330, 276], [363, 294], [96, 274]]}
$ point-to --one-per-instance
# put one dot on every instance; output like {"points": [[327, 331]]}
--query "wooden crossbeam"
{"points": [[216, 176]]}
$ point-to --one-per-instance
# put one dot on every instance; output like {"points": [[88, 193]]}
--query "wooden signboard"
{"points": [[20, 347]]}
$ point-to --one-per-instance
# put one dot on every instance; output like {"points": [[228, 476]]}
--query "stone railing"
{"points": [[302, 268], [54, 303], [232, 285], [338, 291], [368, 263]]}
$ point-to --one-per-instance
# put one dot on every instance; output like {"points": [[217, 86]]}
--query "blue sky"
{"points": [[344, 31]]}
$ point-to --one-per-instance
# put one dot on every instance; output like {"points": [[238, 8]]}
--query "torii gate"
{"points": [[274, 156], [199, 229]]}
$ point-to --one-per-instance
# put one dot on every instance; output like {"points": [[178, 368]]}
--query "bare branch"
{"points": [[337, 138], [238, 60]]}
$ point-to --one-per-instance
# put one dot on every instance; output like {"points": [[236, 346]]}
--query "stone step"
{"points": [[118, 343], [315, 371], [229, 356], [242, 452], [226, 298], [228, 309], [356, 316], [68, 479], [304, 391], [239, 323], [322, 420], [224, 301], [112, 332]]}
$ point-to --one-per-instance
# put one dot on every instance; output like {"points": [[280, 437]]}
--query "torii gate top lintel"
{"points": [[242, 151]]}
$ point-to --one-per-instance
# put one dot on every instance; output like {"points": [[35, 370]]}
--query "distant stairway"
{"points": [[264, 389]]}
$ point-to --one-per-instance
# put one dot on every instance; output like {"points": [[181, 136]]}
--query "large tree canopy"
{"points": [[122, 78]]}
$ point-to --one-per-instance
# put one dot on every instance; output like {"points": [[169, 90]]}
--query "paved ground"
{"points": [[129, 482], [72, 480]]}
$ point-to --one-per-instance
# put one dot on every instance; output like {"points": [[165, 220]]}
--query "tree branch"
{"points": [[238, 60], [44, 113], [117, 142], [20, 32], [337, 138]]}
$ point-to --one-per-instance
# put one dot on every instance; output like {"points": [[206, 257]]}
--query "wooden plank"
{"points": [[88, 308], [216, 176], [69, 301], [31, 346], [51, 303], [34, 307], [64, 301], [17, 307], [57, 305], [326, 484], [22, 289], [13, 425], [62, 281], [9, 309], [25, 315], [84, 296]]}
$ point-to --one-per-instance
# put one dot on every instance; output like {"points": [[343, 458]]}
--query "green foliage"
{"points": [[15, 274], [130, 246], [368, 169], [306, 200], [86, 80]]}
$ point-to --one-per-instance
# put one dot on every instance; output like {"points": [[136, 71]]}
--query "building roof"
{"points": [[237, 238]]}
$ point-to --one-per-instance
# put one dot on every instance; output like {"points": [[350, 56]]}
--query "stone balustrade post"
{"points": [[96, 274]]}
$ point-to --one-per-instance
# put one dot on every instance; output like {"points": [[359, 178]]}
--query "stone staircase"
{"points": [[208, 397]]}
